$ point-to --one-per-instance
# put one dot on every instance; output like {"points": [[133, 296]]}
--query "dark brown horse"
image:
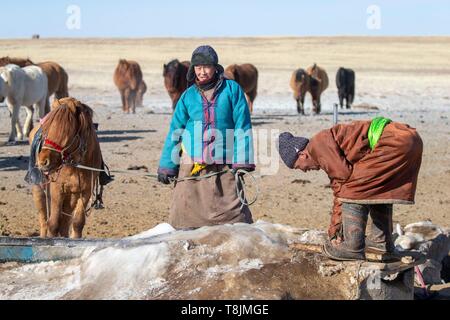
{"points": [[175, 81], [69, 138], [128, 78], [345, 83], [247, 76]]}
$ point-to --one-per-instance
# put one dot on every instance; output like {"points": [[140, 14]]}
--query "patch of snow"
{"points": [[159, 229]]}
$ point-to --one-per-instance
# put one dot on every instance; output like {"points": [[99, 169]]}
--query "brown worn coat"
{"points": [[388, 174]]}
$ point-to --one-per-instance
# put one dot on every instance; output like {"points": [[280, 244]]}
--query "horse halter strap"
{"points": [[53, 146]]}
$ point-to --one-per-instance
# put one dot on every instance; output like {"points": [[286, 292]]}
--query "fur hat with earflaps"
{"points": [[203, 55]]}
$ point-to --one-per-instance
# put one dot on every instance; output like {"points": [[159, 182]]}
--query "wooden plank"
{"points": [[371, 256], [385, 262]]}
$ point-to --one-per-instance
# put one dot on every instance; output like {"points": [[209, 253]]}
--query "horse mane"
{"points": [[7, 76], [70, 115], [299, 74], [4, 74], [313, 82], [124, 64], [171, 66]]}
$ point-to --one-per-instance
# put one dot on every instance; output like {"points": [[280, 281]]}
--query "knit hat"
{"points": [[203, 55], [289, 147]]}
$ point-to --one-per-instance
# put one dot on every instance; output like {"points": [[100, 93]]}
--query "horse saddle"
{"points": [[34, 175]]}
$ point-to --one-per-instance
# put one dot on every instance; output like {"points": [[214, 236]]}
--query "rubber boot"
{"points": [[354, 220], [380, 237]]}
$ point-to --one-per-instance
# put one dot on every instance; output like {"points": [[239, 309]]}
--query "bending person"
{"points": [[371, 165]]}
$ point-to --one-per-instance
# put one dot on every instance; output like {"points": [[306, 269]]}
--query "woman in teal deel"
{"points": [[210, 132]]}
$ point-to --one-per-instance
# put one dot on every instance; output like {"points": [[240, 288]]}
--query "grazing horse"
{"points": [[140, 94], [68, 139], [56, 75], [247, 76], [128, 78], [314, 80], [25, 87], [175, 81], [345, 82]]}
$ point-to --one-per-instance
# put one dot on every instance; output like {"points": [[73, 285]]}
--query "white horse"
{"points": [[25, 87]]}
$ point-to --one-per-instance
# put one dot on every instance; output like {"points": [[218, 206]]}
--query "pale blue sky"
{"points": [[173, 18]]}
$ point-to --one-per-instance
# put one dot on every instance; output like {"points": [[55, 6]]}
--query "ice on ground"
{"points": [[142, 270], [219, 262]]}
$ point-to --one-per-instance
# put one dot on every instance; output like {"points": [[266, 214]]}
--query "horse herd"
{"points": [[28, 84], [128, 79]]}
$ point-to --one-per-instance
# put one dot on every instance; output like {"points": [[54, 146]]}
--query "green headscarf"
{"points": [[376, 130]]}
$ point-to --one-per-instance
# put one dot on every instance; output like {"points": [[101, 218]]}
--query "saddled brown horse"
{"points": [[57, 77], [175, 81], [247, 76], [127, 78], [68, 138], [313, 80]]}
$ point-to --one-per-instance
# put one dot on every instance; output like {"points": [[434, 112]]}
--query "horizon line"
{"points": [[222, 37]]}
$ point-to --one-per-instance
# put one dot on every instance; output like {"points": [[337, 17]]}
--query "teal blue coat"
{"points": [[216, 132]]}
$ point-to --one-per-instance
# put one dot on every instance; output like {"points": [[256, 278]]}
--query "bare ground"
{"points": [[407, 79]]}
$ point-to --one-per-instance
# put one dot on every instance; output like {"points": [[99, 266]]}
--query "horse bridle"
{"points": [[66, 157]]}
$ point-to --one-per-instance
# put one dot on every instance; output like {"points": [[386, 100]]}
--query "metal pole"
{"points": [[335, 114]]}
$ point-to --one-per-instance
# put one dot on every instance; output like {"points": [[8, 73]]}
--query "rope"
{"points": [[209, 175], [240, 187], [239, 178]]}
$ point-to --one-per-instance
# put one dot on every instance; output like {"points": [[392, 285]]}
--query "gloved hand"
{"points": [[166, 178]]}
